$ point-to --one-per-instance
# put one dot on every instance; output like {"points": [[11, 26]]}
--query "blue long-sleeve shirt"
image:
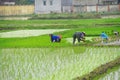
{"points": [[104, 36], [55, 38]]}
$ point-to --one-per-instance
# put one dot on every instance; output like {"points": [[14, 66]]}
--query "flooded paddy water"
{"points": [[28, 33], [115, 75]]}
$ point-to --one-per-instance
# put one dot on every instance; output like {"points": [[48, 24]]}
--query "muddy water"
{"points": [[112, 76]]}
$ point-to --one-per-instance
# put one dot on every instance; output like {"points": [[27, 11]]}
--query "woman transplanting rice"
{"points": [[80, 36], [55, 38]]}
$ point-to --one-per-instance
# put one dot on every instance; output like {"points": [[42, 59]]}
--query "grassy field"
{"points": [[36, 58], [58, 23]]}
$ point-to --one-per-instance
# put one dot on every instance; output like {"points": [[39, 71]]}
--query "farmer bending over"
{"points": [[55, 38], [104, 37], [116, 35], [80, 36]]}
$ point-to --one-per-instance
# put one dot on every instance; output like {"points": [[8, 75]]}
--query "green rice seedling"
{"points": [[79, 49], [52, 63]]}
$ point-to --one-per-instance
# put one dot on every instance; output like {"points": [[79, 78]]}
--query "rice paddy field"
{"points": [[52, 64], [26, 52]]}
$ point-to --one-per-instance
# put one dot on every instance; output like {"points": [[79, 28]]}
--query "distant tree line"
{"points": [[24, 2]]}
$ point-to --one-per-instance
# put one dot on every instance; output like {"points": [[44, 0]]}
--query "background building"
{"points": [[58, 6], [7, 2], [47, 6]]}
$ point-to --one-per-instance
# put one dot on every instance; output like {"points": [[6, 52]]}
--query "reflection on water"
{"points": [[112, 76], [28, 33]]}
